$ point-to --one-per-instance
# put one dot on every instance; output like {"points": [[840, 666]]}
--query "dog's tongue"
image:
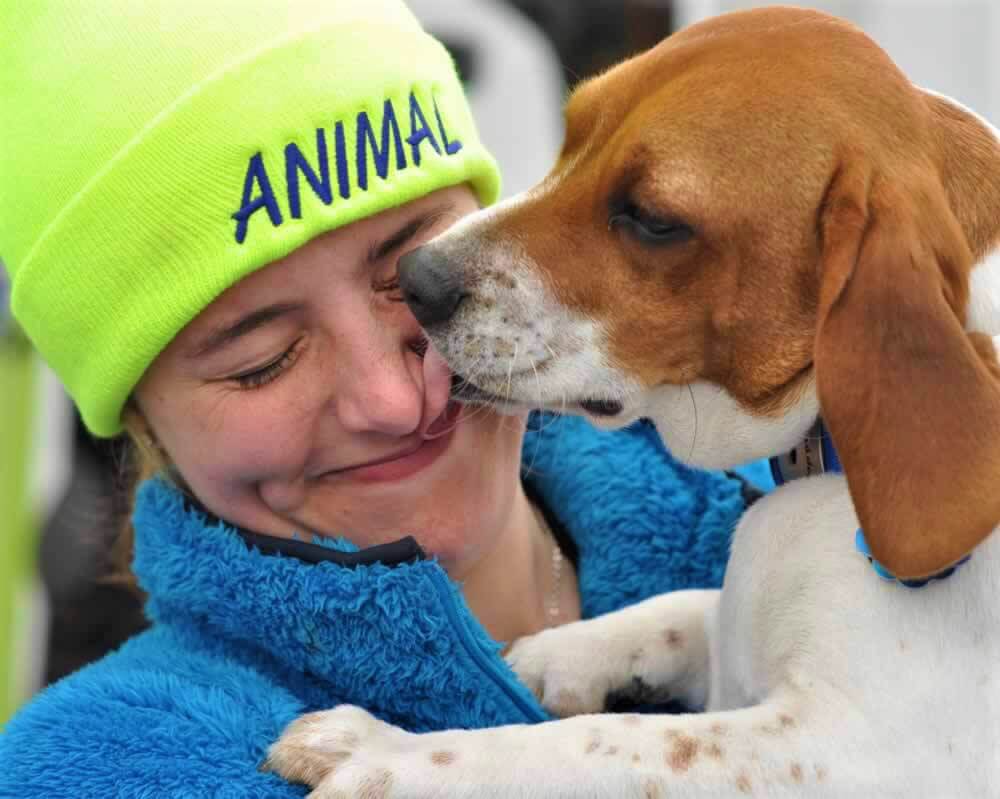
{"points": [[440, 414]]}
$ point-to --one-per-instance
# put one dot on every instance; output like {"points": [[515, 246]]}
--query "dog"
{"points": [[763, 238]]}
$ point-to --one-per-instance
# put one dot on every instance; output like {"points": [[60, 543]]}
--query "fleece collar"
{"points": [[298, 619], [334, 633]]}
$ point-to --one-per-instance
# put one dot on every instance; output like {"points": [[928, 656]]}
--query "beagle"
{"points": [[763, 238]]}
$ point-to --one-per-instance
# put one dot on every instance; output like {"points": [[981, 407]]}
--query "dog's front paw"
{"points": [[570, 669], [340, 752]]}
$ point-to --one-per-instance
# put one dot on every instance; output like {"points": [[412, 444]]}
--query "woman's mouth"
{"points": [[416, 457]]}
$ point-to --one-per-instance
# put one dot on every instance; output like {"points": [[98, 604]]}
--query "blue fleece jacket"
{"points": [[242, 642]]}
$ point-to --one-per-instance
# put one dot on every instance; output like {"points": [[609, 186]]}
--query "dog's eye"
{"points": [[648, 227]]}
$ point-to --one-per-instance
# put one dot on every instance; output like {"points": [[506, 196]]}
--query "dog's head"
{"points": [[759, 220]]}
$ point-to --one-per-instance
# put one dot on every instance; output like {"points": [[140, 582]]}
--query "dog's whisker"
{"points": [[694, 434], [537, 383], [510, 371]]}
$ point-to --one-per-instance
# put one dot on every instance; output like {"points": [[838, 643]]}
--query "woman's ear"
{"points": [[153, 458], [912, 400]]}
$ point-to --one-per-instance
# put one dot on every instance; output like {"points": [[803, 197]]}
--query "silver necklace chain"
{"points": [[553, 600]]}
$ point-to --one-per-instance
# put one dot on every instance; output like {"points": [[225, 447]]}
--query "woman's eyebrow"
{"points": [[226, 334], [415, 226]]}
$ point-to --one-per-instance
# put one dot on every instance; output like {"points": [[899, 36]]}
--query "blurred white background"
{"points": [[950, 46]]}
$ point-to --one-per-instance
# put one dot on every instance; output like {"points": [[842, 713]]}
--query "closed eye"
{"points": [[257, 378], [648, 227]]}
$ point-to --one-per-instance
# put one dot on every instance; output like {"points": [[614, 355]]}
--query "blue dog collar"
{"points": [[861, 545], [817, 455]]}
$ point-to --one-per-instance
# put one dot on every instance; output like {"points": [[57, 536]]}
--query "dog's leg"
{"points": [[653, 651], [777, 749]]}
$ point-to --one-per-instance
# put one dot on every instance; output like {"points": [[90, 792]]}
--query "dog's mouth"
{"points": [[466, 391], [604, 408]]}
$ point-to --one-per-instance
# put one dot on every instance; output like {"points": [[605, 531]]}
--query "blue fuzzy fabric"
{"points": [[242, 643]]}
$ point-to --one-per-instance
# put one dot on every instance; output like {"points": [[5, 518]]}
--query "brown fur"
{"points": [[837, 213], [895, 286]]}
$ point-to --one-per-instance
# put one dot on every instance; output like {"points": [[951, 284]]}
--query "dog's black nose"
{"points": [[430, 286]]}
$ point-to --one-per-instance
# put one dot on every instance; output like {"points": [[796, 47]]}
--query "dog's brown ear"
{"points": [[912, 401]]}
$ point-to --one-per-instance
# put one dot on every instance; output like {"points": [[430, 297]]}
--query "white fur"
{"points": [[702, 424], [820, 680], [984, 296]]}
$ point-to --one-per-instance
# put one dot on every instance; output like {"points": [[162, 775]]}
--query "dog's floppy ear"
{"points": [[912, 401]]}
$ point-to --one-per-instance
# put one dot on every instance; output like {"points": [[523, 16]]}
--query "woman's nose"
{"points": [[385, 395]]}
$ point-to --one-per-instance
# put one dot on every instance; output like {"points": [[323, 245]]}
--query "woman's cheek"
{"points": [[247, 443]]}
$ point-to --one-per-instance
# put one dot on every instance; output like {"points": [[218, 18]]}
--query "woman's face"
{"points": [[298, 401]]}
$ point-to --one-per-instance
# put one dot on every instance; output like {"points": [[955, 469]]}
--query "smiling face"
{"points": [[300, 400]]}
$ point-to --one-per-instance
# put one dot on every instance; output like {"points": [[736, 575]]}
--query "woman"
{"points": [[203, 210]]}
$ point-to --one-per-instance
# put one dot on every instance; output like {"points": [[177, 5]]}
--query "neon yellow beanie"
{"points": [[154, 153]]}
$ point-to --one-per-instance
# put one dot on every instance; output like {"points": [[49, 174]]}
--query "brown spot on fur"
{"points": [[683, 754], [376, 786], [632, 719], [611, 750], [718, 729], [902, 646], [820, 773], [442, 758], [743, 784], [714, 751], [651, 789], [636, 758], [505, 281], [673, 638], [796, 771], [769, 729], [671, 734], [593, 742], [785, 720]]}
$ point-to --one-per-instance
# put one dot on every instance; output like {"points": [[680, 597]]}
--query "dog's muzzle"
{"points": [[432, 287]]}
